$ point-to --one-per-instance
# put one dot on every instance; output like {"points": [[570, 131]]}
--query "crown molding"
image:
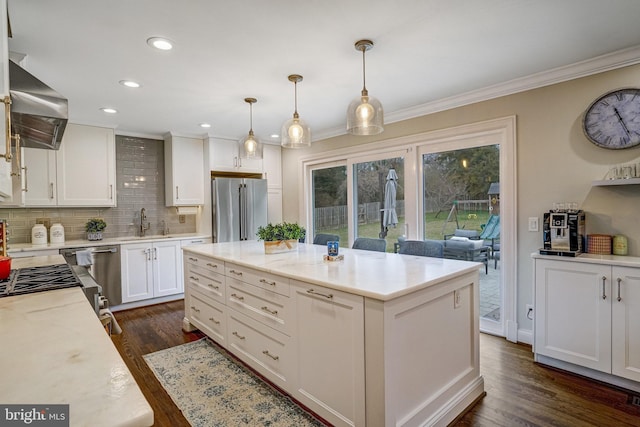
{"points": [[599, 64]]}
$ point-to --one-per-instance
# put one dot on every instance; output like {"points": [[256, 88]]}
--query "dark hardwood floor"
{"points": [[519, 391]]}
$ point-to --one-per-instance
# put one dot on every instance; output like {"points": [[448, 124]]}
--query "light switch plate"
{"points": [[533, 223]]}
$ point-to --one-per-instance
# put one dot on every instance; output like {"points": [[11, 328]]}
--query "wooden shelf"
{"points": [[610, 182]]}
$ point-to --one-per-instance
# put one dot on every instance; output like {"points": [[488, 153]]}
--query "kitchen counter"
{"points": [[376, 339], [15, 248], [619, 260], [378, 275], [55, 351]]}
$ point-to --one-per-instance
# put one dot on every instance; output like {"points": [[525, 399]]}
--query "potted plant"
{"points": [[281, 237], [94, 228]]}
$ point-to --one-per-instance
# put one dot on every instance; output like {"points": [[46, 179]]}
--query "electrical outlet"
{"points": [[529, 311], [182, 219], [533, 223], [457, 299]]}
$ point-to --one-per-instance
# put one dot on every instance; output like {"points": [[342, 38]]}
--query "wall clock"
{"points": [[613, 120]]}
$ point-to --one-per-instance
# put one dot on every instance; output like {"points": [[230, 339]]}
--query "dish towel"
{"points": [[84, 257]]}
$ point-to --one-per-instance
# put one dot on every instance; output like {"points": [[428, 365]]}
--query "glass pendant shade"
{"points": [[365, 115], [295, 132], [250, 147]]}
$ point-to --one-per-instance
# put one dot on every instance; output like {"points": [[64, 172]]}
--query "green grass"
{"points": [[468, 220]]}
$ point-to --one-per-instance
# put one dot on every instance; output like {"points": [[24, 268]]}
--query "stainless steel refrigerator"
{"points": [[239, 208]]}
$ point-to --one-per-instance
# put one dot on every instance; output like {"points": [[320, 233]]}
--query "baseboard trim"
{"points": [[525, 336]]}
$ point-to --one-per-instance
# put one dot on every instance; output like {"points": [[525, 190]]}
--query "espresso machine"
{"points": [[563, 232]]}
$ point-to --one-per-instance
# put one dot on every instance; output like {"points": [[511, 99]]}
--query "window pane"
{"points": [[373, 181], [330, 202]]}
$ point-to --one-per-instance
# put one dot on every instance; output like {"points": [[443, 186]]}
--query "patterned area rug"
{"points": [[213, 390]]}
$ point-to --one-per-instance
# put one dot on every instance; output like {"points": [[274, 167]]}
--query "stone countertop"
{"points": [[55, 351], [378, 275], [618, 260], [28, 247]]}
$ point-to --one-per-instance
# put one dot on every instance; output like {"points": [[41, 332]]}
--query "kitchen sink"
{"points": [[144, 237]]}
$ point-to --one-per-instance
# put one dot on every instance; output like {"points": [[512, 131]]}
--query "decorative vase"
{"points": [[279, 246], [94, 236]]}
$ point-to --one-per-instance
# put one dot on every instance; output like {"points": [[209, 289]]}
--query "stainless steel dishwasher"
{"points": [[104, 268]]}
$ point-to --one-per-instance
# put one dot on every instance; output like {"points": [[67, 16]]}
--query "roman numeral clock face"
{"points": [[613, 120]]}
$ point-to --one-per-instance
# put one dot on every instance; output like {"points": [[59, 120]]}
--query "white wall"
{"points": [[556, 162]]}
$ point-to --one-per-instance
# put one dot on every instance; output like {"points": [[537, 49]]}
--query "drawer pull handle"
{"points": [[312, 292], [267, 282], [212, 265], [217, 322], [238, 297], [193, 259], [266, 353], [238, 335], [237, 273], [604, 294], [273, 312], [619, 297], [211, 285], [194, 278], [194, 308]]}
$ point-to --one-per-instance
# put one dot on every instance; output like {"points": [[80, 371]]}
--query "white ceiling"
{"points": [[427, 54]]}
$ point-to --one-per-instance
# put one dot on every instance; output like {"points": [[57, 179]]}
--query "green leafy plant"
{"points": [[95, 225], [283, 231]]}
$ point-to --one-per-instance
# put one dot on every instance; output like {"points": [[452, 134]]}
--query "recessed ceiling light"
{"points": [[109, 110], [275, 135], [205, 125], [160, 43], [129, 83]]}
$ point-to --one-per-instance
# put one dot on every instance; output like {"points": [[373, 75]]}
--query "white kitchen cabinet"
{"points": [[224, 156], [184, 171], [327, 379], [272, 165], [41, 177], [5, 167], [150, 270], [274, 205], [588, 314], [86, 167], [81, 173]]}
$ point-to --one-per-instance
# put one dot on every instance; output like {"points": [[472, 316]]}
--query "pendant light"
{"points": [[365, 115], [250, 147], [295, 132]]}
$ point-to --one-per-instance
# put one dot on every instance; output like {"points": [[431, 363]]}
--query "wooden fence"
{"points": [[336, 216]]}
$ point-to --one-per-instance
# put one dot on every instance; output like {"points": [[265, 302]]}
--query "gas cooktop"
{"points": [[38, 279]]}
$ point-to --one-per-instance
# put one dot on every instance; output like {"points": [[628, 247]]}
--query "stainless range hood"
{"points": [[39, 114]]}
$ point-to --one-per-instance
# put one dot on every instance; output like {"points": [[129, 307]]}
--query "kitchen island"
{"points": [[56, 351], [376, 339]]}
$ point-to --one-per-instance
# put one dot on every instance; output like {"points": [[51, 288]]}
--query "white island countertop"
{"points": [[378, 275], [56, 351]]}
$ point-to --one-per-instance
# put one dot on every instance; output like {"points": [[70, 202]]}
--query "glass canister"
{"points": [[620, 245], [56, 233]]}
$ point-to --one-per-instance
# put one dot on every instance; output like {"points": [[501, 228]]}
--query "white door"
{"points": [[137, 274], [41, 177], [626, 322], [167, 273], [573, 313]]}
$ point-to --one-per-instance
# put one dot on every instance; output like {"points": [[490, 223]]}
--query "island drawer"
{"points": [[208, 315], [268, 351], [263, 305], [207, 282], [272, 282], [211, 264]]}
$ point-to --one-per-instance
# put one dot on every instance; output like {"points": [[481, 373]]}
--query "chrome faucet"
{"points": [[143, 218]]}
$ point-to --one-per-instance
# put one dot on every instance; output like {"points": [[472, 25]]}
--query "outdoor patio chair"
{"points": [[369, 244], [322, 239], [429, 248], [467, 250], [470, 234]]}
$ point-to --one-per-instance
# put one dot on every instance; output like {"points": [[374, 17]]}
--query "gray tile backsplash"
{"points": [[139, 184]]}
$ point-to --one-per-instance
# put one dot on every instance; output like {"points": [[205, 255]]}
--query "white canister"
{"points": [[39, 235], [56, 234]]}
